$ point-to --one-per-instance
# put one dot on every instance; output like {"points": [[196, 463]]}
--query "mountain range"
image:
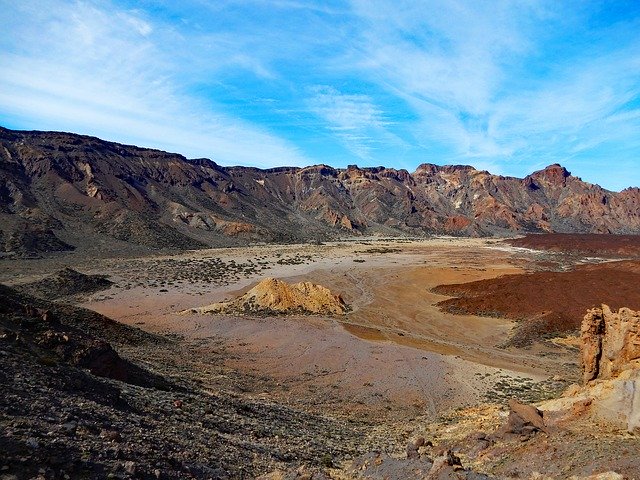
{"points": [[60, 191]]}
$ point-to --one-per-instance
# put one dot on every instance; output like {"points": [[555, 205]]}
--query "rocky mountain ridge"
{"points": [[59, 191]]}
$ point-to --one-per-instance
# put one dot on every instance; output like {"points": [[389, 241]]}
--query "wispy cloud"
{"points": [[475, 77], [354, 119], [101, 70], [508, 85]]}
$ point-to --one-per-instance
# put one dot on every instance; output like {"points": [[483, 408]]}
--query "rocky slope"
{"points": [[275, 297], [588, 433], [86, 397], [59, 191], [66, 283]]}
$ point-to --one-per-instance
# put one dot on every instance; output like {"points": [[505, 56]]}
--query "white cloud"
{"points": [[465, 68], [448, 53], [92, 68], [354, 119]]}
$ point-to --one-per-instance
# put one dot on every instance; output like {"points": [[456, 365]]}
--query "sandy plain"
{"points": [[396, 354]]}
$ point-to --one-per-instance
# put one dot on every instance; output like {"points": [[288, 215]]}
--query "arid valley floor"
{"points": [[415, 357]]}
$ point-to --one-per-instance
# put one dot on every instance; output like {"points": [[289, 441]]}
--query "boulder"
{"points": [[524, 421]]}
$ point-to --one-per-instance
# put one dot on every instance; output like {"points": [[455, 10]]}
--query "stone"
{"points": [[414, 446], [523, 421], [445, 466], [610, 342], [273, 296], [130, 467], [32, 443]]}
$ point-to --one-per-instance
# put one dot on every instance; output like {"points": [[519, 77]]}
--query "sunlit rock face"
{"points": [[610, 356], [60, 191]]}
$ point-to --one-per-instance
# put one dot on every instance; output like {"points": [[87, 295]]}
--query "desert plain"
{"points": [[403, 357]]}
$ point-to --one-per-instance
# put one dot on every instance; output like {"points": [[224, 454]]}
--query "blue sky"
{"points": [[507, 86]]}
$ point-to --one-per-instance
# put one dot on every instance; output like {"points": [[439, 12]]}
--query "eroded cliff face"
{"points": [[610, 357], [610, 342], [60, 190]]}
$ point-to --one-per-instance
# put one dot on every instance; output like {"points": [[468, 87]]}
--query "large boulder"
{"points": [[524, 422]]}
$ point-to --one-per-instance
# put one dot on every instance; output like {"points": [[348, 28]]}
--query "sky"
{"points": [[506, 86]]}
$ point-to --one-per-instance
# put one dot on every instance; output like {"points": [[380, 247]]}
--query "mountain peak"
{"points": [[554, 174], [155, 199]]}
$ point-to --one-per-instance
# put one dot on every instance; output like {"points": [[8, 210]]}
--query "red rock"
{"points": [[109, 188]]}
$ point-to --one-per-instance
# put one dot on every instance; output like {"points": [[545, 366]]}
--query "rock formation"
{"points": [[524, 421], [66, 282], [272, 296], [610, 342], [59, 191], [53, 335], [610, 355]]}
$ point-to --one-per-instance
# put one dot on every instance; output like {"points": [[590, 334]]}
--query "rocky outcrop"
{"points": [[46, 333], [66, 282], [610, 355], [610, 342], [275, 297], [59, 191], [60, 418], [524, 421], [611, 366]]}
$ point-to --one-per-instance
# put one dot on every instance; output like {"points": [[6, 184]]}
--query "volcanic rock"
{"points": [[64, 283], [610, 342], [540, 302], [523, 421], [59, 191], [611, 370], [273, 297], [48, 336]]}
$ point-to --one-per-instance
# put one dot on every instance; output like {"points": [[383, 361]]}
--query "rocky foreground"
{"points": [[86, 397], [62, 191]]}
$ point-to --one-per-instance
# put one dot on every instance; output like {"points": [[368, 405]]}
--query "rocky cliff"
{"points": [[59, 191], [610, 357], [610, 342]]}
